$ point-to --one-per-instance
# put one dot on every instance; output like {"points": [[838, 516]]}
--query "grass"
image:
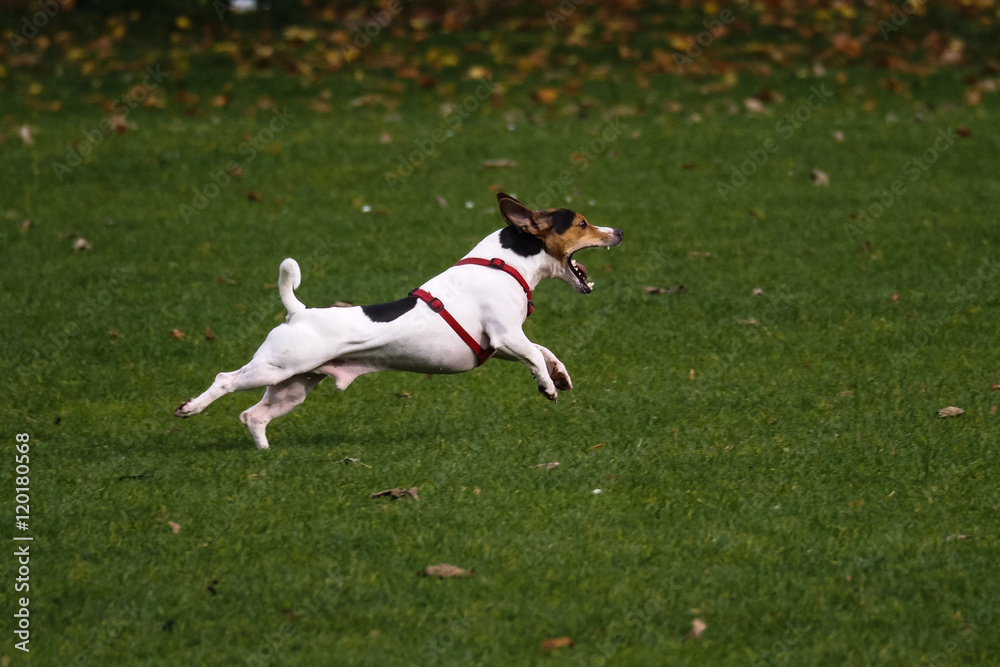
{"points": [[797, 492]]}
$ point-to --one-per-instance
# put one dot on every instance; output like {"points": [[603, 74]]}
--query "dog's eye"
{"points": [[583, 224]]}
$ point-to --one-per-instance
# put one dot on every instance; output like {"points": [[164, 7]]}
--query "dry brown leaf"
{"points": [[691, 374], [81, 244], [209, 336], [397, 493], [253, 196], [176, 527], [819, 177], [950, 411], [856, 504], [319, 105], [895, 297], [963, 132], [26, 225], [114, 333], [546, 466], [597, 446], [177, 333], [25, 134], [236, 172], [500, 163], [698, 627], [442, 570], [556, 643]]}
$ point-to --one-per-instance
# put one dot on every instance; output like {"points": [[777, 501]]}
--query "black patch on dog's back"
{"points": [[522, 243], [562, 219], [387, 312]]}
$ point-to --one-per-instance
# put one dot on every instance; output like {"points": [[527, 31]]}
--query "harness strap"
{"points": [[497, 263], [482, 354]]}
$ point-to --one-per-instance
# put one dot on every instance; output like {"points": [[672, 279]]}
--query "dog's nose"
{"points": [[619, 234]]}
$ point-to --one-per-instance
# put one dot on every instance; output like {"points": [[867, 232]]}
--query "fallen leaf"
{"points": [[895, 297], [442, 202], [753, 105], [176, 527], [545, 95], [597, 446], [698, 627], [477, 491], [950, 411], [691, 374], [443, 570], [993, 409], [25, 133], [114, 333], [359, 462], [500, 163], [236, 172], [757, 291], [81, 244], [385, 138], [819, 177], [680, 289], [956, 536], [404, 394], [177, 333], [838, 135], [209, 336], [688, 166], [253, 196], [556, 643], [856, 504], [26, 225], [963, 132], [995, 387], [397, 493], [319, 105], [546, 466]]}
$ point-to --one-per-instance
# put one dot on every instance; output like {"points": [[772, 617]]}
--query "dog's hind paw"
{"points": [[183, 410]]}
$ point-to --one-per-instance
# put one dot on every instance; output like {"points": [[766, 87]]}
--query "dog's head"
{"points": [[559, 232]]}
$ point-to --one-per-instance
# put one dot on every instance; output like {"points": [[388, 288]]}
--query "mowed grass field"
{"points": [[771, 463]]}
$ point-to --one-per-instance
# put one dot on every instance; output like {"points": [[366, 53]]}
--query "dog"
{"points": [[451, 324]]}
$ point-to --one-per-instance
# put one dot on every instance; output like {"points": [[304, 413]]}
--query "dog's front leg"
{"points": [[557, 372], [515, 346]]}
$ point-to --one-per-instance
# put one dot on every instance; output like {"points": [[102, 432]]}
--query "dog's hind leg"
{"points": [[279, 399], [255, 374]]}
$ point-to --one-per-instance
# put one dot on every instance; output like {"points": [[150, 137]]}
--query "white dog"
{"points": [[470, 315]]}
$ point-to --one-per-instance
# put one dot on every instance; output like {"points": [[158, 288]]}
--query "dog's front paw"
{"points": [[562, 381], [549, 391]]}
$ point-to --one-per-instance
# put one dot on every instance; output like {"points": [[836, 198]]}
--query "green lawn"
{"points": [[771, 463]]}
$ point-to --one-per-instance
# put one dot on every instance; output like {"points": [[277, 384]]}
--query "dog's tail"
{"points": [[289, 278]]}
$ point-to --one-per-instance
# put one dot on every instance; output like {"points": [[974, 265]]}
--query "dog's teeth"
{"points": [[590, 285], [572, 263]]}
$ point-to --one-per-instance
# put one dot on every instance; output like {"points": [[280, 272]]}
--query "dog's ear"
{"points": [[519, 215]]}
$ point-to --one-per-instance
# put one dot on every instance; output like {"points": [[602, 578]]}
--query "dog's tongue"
{"points": [[582, 269]]}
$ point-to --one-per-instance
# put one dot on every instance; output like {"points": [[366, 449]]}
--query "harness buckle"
{"points": [[497, 263], [436, 305]]}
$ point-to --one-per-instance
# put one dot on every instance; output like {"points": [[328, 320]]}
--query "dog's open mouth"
{"points": [[580, 273]]}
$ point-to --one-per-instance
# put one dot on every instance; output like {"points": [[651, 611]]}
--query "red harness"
{"points": [[482, 354]]}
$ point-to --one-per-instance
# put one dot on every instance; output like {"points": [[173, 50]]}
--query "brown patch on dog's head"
{"points": [[562, 233]]}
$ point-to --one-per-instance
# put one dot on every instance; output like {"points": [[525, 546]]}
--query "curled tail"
{"points": [[289, 278]]}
